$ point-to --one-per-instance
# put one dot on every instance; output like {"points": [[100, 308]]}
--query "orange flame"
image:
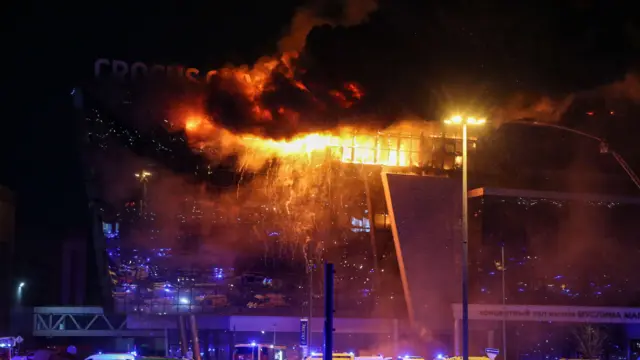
{"points": [[355, 90], [346, 145]]}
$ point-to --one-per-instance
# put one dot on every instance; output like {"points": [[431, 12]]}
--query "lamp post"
{"points": [[21, 286], [604, 147], [310, 273], [143, 176], [464, 122], [502, 267], [274, 334]]}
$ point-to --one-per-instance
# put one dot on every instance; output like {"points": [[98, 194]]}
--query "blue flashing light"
{"points": [[439, 356], [253, 343]]}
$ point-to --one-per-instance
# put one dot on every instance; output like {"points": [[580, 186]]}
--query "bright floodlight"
{"points": [[143, 175], [21, 285], [458, 120]]}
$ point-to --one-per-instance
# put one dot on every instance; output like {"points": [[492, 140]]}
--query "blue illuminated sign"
{"points": [[304, 332]]}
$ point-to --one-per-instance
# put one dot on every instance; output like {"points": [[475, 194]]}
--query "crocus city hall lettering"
{"points": [[551, 313], [122, 70]]}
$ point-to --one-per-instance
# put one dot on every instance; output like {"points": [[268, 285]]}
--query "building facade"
{"points": [[568, 268], [375, 204]]}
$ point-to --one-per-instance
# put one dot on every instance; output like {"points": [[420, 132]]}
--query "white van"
{"points": [[116, 356]]}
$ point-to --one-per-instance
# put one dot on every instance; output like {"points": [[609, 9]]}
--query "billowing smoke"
{"points": [[271, 97], [524, 106], [627, 88], [552, 109], [175, 202], [354, 12]]}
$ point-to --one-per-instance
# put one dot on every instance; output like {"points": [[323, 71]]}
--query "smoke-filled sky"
{"points": [[423, 58]]}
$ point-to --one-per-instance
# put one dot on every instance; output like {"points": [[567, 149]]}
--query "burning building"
{"points": [[243, 228], [307, 197], [202, 214]]}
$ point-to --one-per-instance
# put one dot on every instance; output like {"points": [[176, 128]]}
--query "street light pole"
{"points": [[328, 311], [464, 122], [143, 177], [504, 307], [309, 331], [20, 292], [465, 249]]}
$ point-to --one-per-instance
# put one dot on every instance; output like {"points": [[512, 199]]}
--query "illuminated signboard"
{"points": [[304, 332]]}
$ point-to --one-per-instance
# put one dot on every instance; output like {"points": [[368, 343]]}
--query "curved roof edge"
{"points": [[504, 192]]}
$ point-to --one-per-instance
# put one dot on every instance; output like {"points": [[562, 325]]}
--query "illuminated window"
{"points": [[380, 149], [360, 225], [382, 221], [450, 148]]}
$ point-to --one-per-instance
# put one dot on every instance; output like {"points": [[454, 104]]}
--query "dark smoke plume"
{"points": [[552, 109], [306, 18]]}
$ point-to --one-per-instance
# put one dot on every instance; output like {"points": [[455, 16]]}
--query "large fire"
{"points": [[344, 144], [256, 114], [347, 145]]}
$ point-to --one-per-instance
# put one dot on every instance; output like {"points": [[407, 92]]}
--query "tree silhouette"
{"points": [[590, 341]]}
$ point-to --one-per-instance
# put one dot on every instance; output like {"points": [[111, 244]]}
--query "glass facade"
{"points": [[379, 149], [559, 249]]}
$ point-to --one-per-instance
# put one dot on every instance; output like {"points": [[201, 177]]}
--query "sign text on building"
{"points": [[304, 332], [552, 313], [122, 70]]}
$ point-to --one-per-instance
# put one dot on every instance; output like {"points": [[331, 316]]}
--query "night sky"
{"points": [[416, 56]]}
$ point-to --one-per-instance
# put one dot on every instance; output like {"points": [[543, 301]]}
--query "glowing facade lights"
{"points": [[460, 120]]}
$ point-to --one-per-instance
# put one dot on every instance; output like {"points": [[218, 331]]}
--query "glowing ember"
{"points": [[355, 90], [192, 124]]}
